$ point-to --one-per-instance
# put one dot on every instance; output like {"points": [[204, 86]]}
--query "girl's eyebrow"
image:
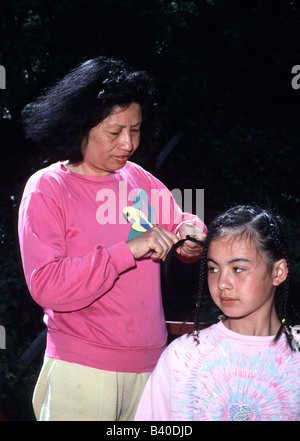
{"points": [[212, 260], [237, 259]]}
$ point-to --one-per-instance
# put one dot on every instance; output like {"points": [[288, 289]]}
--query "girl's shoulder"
{"points": [[218, 346], [218, 336], [187, 343]]}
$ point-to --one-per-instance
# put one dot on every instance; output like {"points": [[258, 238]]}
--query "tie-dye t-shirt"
{"points": [[226, 377]]}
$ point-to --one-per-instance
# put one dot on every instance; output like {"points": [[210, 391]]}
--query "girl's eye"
{"points": [[238, 270], [114, 133], [212, 269]]}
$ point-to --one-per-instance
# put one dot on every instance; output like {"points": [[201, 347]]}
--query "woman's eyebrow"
{"points": [[137, 124], [123, 125]]}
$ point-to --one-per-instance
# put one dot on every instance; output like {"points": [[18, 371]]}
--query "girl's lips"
{"points": [[227, 301]]}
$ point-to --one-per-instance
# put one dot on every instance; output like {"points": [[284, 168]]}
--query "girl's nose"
{"points": [[224, 281]]}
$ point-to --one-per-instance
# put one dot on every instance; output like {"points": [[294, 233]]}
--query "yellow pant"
{"points": [[73, 392]]}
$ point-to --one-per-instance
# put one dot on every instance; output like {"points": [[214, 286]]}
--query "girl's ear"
{"points": [[280, 272]]}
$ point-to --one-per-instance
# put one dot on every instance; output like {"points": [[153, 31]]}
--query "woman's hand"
{"points": [[154, 243], [190, 251]]}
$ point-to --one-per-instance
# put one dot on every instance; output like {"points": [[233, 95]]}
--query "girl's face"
{"points": [[240, 283]]}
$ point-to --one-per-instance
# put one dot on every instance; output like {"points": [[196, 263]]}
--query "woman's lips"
{"points": [[122, 159]]}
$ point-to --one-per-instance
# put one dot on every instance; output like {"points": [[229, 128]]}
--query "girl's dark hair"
{"points": [[267, 231], [64, 115]]}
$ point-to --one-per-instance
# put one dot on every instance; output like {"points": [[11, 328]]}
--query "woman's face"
{"points": [[113, 141]]}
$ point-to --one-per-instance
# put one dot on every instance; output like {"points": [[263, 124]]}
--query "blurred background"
{"points": [[229, 116]]}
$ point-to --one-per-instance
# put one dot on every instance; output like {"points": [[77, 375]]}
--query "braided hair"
{"points": [[267, 231]]}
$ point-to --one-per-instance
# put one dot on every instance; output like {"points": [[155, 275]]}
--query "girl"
{"points": [[247, 366]]}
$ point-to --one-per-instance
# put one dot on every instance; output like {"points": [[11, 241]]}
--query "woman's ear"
{"points": [[280, 272]]}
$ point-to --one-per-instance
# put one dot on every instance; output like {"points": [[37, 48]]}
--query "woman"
{"points": [[93, 228]]}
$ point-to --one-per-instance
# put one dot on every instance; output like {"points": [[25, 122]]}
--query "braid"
{"points": [[282, 292], [214, 231], [278, 236], [201, 289]]}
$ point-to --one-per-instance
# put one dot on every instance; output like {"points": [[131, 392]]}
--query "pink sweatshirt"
{"points": [[102, 307], [227, 377]]}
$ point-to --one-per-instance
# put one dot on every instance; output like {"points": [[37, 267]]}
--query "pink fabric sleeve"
{"points": [[56, 281]]}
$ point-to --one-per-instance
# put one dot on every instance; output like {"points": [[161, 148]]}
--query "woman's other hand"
{"points": [[154, 243]]}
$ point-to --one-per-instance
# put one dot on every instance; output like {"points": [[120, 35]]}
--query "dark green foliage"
{"points": [[20, 316]]}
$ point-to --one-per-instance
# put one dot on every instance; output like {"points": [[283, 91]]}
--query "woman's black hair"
{"points": [[267, 230], [62, 117]]}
